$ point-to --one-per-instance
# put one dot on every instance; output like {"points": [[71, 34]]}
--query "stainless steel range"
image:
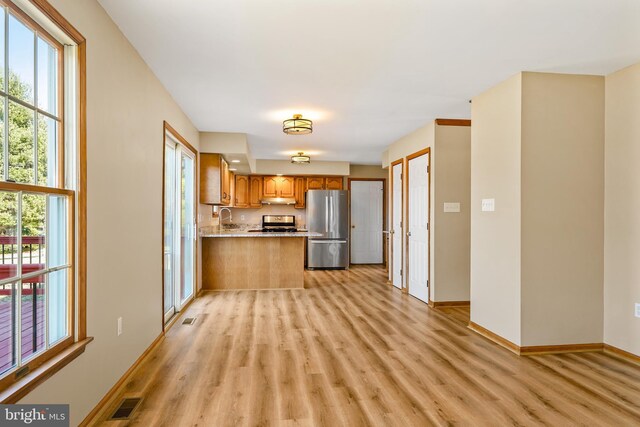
{"points": [[279, 223]]}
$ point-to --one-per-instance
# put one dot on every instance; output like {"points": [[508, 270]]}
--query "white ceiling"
{"points": [[367, 71]]}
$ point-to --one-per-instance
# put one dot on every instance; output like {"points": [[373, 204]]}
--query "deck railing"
{"points": [[32, 301], [9, 246]]}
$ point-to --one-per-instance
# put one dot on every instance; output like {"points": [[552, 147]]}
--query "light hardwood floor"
{"points": [[351, 351]]}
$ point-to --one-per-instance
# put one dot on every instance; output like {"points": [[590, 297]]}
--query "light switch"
{"points": [[451, 207], [637, 310], [488, 205]]}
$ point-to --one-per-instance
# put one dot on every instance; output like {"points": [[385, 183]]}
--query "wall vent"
{"points": [[126, 408]]}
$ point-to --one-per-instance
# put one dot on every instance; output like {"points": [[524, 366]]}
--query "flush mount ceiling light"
{"points": [[300, 158], [297, 125]]}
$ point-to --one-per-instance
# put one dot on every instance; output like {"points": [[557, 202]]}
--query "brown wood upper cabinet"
{"points": [[226, 183], [255, 191], [215, 182], [315, 183], [242, 192], [324, 183], [300, 191], [333, 183], [248, 191], [278, 186]]}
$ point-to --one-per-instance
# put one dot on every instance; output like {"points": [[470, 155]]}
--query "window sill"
{"points": [[18, 390]]}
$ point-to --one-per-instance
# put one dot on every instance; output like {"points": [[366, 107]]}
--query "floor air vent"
{"points": [[125, 409], [189, 321]]}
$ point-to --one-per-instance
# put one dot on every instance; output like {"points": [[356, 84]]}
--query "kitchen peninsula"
{"points": [[252, 259]]}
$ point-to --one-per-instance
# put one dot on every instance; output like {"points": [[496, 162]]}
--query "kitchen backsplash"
{"points": [[251, 216], [254, 216]]}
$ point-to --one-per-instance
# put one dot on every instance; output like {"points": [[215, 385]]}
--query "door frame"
{"points": [[167, 128], [401, 162], [427, 152], [384, 217]]}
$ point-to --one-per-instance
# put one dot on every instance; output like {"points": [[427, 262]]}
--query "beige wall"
{"points": [[126, 107], [385, 159], [537, 261], [622, 204], [452, 231], [367, 171], [495, 236], [224, 142], [233, 146], [413, 142], [562, 208], [450, 182]]}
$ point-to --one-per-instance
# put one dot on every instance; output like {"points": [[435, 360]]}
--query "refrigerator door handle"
{"points": [[326, 242], [326, 214]]}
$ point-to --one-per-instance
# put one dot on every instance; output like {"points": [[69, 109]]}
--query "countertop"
{"points": [[245, 233]]}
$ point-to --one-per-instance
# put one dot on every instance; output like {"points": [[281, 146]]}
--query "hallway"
{"points": [[351, 350]]}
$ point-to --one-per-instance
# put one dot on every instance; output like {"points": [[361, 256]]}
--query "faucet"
{"points": [[220, 214]]}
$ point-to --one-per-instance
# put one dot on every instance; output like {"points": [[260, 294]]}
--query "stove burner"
{"points": [[279, 230]]}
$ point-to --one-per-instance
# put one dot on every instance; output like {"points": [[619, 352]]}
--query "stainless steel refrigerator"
{"points": [[328, 214]]}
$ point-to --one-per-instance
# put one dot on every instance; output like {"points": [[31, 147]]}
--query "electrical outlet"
{"points": [[637, 309], [241, 217], [119, 326]]}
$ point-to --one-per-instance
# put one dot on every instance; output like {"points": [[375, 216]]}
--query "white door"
{"points": [[396, 226], [366, 222], [418, 227]]}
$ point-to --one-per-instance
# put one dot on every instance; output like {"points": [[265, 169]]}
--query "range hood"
{"points": [[278, 201]]}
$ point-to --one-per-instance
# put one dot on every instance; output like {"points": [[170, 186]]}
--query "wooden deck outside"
{"points": [[28, 322]]}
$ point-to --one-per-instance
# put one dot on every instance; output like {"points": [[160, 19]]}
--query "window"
{"points": [[41, 211]]}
